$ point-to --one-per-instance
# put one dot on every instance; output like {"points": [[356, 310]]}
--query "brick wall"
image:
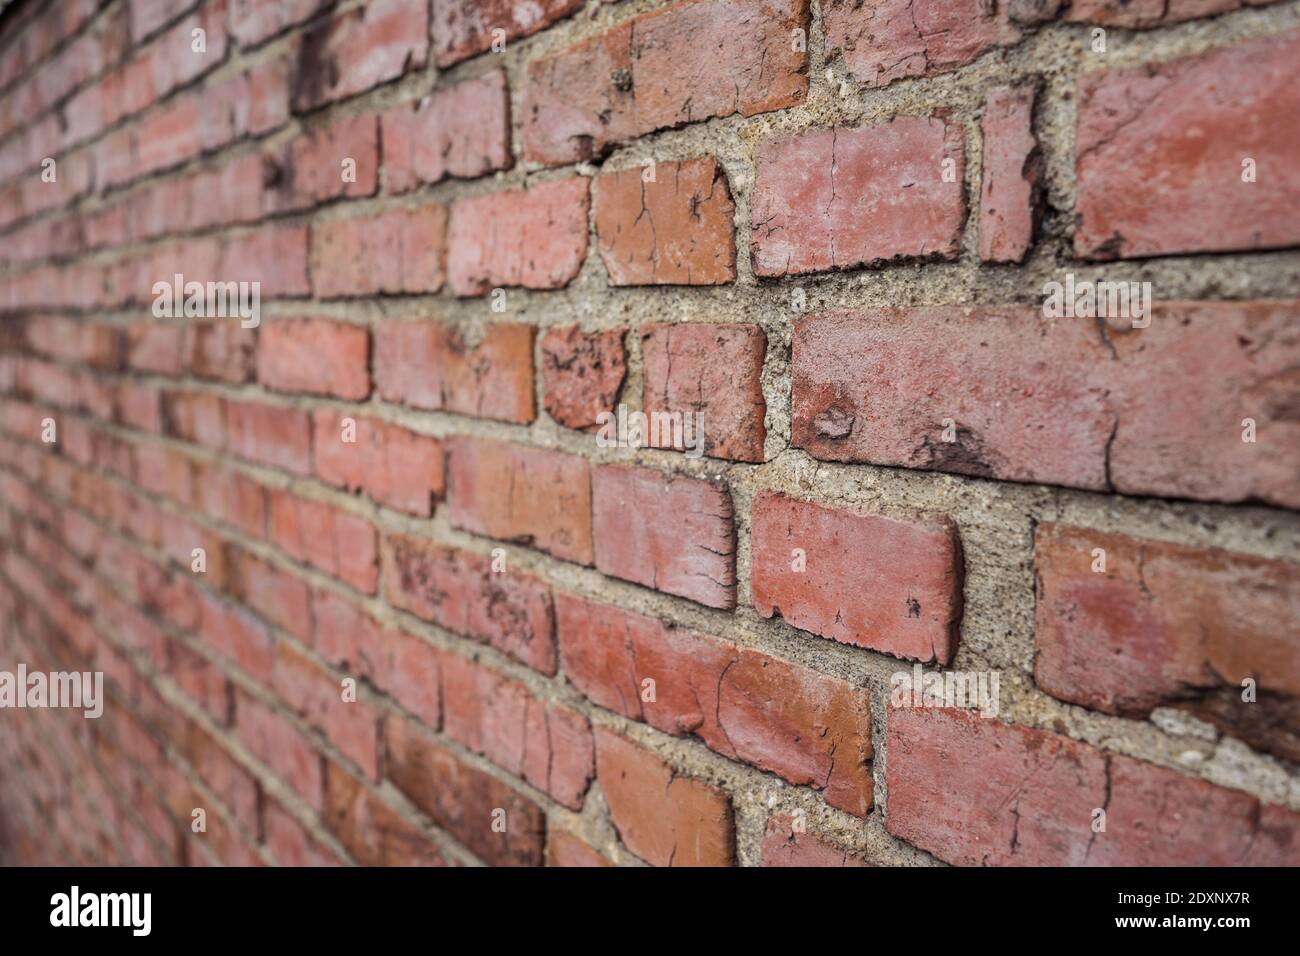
{"points": [[435, 620]]}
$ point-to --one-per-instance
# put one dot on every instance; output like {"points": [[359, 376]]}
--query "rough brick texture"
{"points": [[588, 435]]}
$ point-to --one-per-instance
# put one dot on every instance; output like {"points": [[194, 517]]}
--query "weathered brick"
{"points": [[460, 591], [546, 744], [565, 849], [360, 49], [785, 844], [316, 696], [840, 198], [1161, 624], [673, 230], [397, 251], [464, 800], [461, 131], [1140, 14], [311, 168], [663, 817], [369, 828], [582, 374], [318, 356], [393, 465], [269, 435], [881, 41], [978, 792], [1182, 185], [711, 373], [810, 729], [872, 581], [445, 367], [532, 496], [337, 542], [277, 743], [465, 28], [535, 238], [1013, 168], [688, 62], [669, 532]]}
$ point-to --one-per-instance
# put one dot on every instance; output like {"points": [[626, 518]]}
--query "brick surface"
{"points": [[534, 238], [464, 28], [868, 580], [461, 131], [688, 62], [1009, 196], [881, 41], [315, 355], [532, 496], [784, 844], [668, 532], [713, 375], [1195, 137], [840, 198], [354, 51], [1165, 624], [957, 789], [439, 366], [397, 251], [674, 230], [666, 819], [393, 465], [582, 374], [809, 729]]}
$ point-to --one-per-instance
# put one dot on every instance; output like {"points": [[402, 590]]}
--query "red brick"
{"points": [[317, 356], [464, 800], [358, 50], [565, 849], [278, 744], [232, 498], [275, 256], [1181, 441], [881, 41], [978, 792], [1169, 625], [252, 21], [465, 28], [270, 435], [669, 532], [370, 829], [784, 845], [688, 62], [444, 367], [713, 374], [532, 496], [337, 542], [535, 238], [221, 350], [582, 374], [396, 467], [1140, 14], [663, 817], [546, 744], [675, 230], [316, 696], [1013, 167], [872, 581], [290, 843], [461, 131], [459, 591], [396, 251], [281, 598], [840, 198], [1178, 187], [310, 170], [238, 636], [809, 729]]}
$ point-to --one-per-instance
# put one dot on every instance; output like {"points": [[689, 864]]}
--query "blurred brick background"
{"points": [[825, 228]]}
